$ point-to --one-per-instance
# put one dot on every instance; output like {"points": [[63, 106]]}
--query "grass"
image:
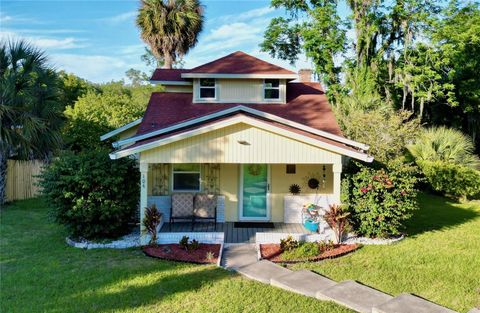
{"points": [[40, 273], [439, 260]]}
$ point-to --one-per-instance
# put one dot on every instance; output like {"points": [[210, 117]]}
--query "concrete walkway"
{"points": [[243, 259]]}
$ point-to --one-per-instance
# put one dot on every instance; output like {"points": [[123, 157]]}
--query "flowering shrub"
{"points": [[381, 200]]}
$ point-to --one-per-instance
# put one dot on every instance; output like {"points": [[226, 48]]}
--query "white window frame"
{"points": [[214, 88], [173, 172], [272, 88]]}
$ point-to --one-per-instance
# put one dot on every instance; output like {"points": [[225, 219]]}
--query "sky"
{"points": [[99, 41]]}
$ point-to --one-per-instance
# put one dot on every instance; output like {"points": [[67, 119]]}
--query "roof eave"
{"points": [[120, 129], [240, 76]]}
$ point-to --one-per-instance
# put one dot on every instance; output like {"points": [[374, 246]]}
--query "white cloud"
{"points": [[247, 15], [5, 18], [44, 42], [120, 18], [95, 68]]}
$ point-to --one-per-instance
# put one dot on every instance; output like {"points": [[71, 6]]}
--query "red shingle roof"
{"points": [[240, 63], [168, 74], [306, 104]]}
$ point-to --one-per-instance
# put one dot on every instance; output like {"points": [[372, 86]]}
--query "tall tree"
{"points": [[313, 27], [30, 112], [170, 27]]}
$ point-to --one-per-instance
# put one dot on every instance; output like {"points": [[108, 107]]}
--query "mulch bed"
{"points": [[272, 252], [174, 252]]}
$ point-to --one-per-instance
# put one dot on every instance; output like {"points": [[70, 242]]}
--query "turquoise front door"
{"points": [[254, 192]]}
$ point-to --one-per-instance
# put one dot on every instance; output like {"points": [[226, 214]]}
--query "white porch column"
{"points": [[143, 200], [337, 181]]}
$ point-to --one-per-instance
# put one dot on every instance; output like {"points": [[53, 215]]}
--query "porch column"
{"points": [[337, 181], [143, 200]]}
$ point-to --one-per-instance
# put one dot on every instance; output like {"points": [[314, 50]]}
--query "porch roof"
{"points": [[242, 117]]}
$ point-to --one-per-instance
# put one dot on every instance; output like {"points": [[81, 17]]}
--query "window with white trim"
{"points": [[186, 177], [271, 89], [207, 88]]}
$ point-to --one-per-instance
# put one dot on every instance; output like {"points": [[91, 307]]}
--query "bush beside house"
{"points": [[93, 196], [381, 200]]}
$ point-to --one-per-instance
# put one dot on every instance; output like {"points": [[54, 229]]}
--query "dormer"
{"points": [[235, 78]]}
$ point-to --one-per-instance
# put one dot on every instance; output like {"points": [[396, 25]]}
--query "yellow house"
{"points": [[244, 130]]}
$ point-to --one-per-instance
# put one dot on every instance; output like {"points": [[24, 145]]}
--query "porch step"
{"points": [[263, 271], [235, 256], [406, 303], [355, 296], [304, 282]]}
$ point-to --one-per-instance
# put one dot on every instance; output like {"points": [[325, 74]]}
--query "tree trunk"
{"points": [[404, 99], [168, 60], [3, 178], [421, 107]]}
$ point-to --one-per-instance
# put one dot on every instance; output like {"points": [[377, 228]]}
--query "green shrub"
{"points": [[444, 144], [183, 243], [381, 200], [288, 243], [188, 245], [452, 179], [304, 250], [93, 196]]}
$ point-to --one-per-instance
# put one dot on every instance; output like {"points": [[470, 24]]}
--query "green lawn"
{"points": [[39, 273], [440, 260]]}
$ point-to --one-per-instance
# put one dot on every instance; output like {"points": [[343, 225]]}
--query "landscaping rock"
{"points": [[263, 271], [407, 303], [352, 238], [304, 282], [355, 296]]}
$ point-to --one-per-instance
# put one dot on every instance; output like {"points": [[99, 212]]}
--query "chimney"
{"points": [[305, 75]]}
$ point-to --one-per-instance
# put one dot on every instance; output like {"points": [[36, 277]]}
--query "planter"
{"points": [[311, 225], [273, 253]]}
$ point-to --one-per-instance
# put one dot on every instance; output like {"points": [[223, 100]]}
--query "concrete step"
{"points": [[407, 303], [474, 310], [355, 296], [263, 271], [304, 282], [235, 256]]}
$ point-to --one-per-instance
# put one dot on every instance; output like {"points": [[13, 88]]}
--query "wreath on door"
{"points": [[254, 169]]}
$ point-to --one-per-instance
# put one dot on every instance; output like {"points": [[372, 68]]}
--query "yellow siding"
{"points": [[281, 181], [128, 133], [222, 146], [180, 88], [229, 179], [240, 91]]}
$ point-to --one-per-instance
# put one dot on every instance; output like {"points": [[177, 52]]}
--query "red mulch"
{"points": [[174, 252], [272, 252]]}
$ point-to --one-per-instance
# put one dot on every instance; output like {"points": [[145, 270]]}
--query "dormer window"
{"points": [[207, 88], [271, 89]]}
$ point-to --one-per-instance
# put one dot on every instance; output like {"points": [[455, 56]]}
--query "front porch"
{"points": [[233, 234]]}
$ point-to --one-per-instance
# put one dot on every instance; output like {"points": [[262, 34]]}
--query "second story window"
{"points": [[271, 89], [207, 88]]}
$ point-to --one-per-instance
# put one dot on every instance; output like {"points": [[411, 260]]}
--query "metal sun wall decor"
{"points": [[312, 181]]}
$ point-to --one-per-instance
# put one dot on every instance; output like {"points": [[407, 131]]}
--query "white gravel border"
{"points": [[127, 241], [352, 238]]}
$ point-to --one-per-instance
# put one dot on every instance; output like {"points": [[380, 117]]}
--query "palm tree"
{"points": [[30, 112], [445, 144], [170, 27]]}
